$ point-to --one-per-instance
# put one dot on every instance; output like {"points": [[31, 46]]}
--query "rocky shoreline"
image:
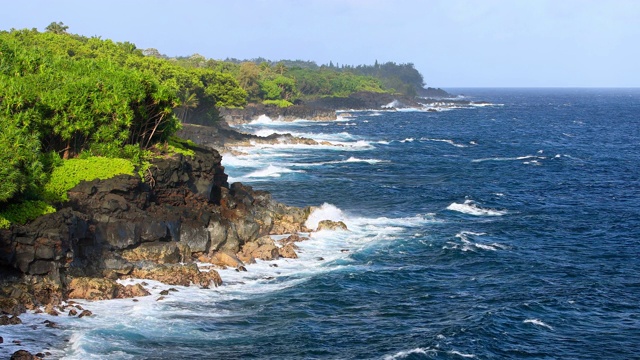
{"points": [[183, 213]]}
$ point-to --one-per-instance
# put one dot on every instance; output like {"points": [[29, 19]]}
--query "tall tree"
{"points": [[57, 28]]}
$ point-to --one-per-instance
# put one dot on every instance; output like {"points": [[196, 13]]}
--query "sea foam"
{"points": [[538, 323], [471, 208]]}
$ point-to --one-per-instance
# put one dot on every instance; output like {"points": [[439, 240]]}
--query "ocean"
{"points": [[505, 229]]}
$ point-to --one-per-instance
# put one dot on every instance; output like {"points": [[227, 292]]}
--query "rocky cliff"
{"points": [[154, 228], [291, 113]]}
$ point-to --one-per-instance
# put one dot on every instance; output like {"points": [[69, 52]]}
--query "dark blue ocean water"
{"points": [[503, 231], [557, 275]]}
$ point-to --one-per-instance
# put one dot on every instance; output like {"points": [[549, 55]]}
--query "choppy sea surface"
{"points": [[509, 229]]}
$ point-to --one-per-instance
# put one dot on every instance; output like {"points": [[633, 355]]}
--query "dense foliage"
{"points": [[66, 96], [71, 172], [69, 95], [312, 80], [22, 212]]}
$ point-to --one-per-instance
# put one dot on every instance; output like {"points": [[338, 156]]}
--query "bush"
{"points": [[179, 146], [278, 103], [65, 177], [22, 212]]}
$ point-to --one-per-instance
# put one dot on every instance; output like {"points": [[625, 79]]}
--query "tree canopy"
{"points": [[63, 94]]}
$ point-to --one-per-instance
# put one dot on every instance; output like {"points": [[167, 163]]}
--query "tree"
{"points": [[248, 77], [57, 28], [188, 102]]}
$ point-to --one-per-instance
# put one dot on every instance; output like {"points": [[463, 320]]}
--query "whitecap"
{"points": [[369, 161], [450, 142], [471, 208], [406, 353], [458, 353], [272, 171], [538, 323], [325, 212], [527, 157]]}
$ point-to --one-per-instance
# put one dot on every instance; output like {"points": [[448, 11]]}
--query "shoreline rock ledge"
{"points": [[156, 229]]}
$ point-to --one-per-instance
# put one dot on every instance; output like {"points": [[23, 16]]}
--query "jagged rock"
{"points": [[24, 355], [50, 324], [130, 291], [41, 267], [126, 227], [85, 313], [92, 288], [6, 320], [263, 248], [331, 225], [158, 252], [73, 312], [224, 259], [50, 309], [11, 306], [196, 235], [288, 251], [184, 275], [293, 238]]}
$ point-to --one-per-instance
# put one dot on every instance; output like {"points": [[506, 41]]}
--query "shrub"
{"points": [[179, 146], [65, 177], [22, 212], [278, 103]]}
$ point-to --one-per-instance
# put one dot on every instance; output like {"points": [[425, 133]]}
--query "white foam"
{"points": [[471, 208], [272, 171], [392, 104], [527, 157], [458, 353], [450, 142], [407, 140], [538, 323], [468, 243], [262, 119], [324, 212], [149, 316], [406, 353], [369, 161]]}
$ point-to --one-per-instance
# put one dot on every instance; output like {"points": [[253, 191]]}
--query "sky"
{"points": [[453, 43]]}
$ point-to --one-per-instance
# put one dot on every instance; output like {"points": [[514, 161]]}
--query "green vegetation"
{"points": [[106, 107], [72, 171], [179, 146], [22, 212], [278, 103]]}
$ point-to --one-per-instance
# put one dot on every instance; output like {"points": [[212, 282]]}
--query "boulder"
{"points": [[225, 259], [24, 355], [293, 238], [157, 252], [331, 225], [288, 251], [11, 306], [131, 291], [263, 248], [6, 320], [184, 275], [196, 235], [92, 288]]}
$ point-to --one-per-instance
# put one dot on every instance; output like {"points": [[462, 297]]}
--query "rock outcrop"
{"points": [[125, 227], [291, 113]]}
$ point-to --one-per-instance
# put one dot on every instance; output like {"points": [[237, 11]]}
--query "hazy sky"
{"points": [[453, 43]]}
